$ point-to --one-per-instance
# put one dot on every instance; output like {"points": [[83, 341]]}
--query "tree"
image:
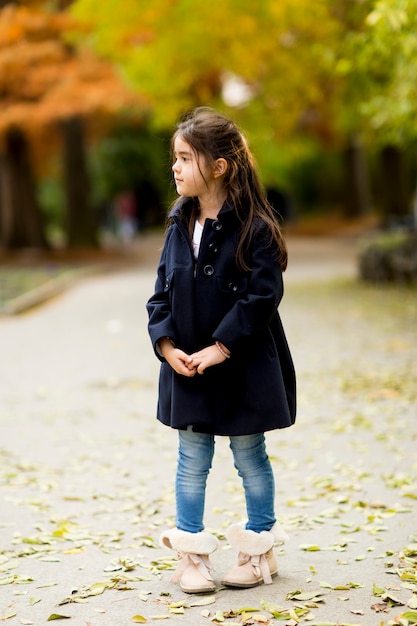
{"points": [[81, 223], [20, 218], [49, 91], [182, 54], [379, 77], [342, 73]]}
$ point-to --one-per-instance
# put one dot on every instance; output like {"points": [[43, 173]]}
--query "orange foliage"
{"points": [[44, 79]]}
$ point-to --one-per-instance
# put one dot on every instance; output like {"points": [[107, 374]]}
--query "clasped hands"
{"points": [[190, 364]]}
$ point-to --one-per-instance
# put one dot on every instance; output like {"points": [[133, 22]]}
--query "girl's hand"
{"points": [[207, 357], [180, 361]]}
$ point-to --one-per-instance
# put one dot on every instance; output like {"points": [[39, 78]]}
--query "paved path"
{"points": [[86, 475]]}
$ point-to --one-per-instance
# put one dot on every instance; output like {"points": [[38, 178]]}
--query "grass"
{"points": [[17, 281], [23, 276]]}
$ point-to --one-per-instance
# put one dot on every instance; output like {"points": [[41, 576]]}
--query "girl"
{"points": [[226, 367]]}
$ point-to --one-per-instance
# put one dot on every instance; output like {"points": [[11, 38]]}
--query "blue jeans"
{"points": [[252, 463]]}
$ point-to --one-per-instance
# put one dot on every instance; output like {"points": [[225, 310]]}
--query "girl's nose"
{"points": [[175, 166]]}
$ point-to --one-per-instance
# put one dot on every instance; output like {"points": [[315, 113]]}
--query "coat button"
{"points": [[208, 270], [233, 287], [217, 225], [166, 283], [213, 248]]}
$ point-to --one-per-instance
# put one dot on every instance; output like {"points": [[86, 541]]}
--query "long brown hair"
{"points": [[214, 136]]}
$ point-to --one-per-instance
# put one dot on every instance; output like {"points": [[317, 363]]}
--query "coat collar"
{"points": [[183, 208]]}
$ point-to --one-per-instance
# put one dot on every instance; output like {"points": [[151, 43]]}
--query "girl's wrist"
{"points": [[163, 343], [222, 349]]}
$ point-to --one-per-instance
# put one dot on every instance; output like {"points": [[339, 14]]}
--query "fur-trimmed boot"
{"points": [[193, 549], [256, 559]]}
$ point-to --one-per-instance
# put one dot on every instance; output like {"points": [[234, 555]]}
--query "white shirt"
{"points": [[198, 231]]}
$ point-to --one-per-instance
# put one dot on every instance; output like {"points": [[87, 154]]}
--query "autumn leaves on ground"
{"points": [[87, 472]]}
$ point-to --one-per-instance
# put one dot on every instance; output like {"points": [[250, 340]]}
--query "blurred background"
{"points": [[325, 91]]}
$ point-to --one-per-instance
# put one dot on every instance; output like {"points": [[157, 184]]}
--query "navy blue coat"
{"points": [[197, 303]]}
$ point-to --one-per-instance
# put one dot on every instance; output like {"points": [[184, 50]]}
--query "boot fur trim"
{"points": [[280, 536], [192, 543], [248, 541]]}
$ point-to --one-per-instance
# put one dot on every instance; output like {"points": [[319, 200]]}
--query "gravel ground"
{"points": [[86, 471]]}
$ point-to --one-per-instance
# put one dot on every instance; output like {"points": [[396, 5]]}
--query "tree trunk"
{"points": [[81, 222], [357, 193], [394, 188], [21, 223]]}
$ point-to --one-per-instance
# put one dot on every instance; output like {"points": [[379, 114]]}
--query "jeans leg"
{"points": [[195, 455], [253, 465]]}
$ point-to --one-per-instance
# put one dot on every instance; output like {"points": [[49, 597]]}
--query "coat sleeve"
{"points": [[160, 322], [254, 310]]}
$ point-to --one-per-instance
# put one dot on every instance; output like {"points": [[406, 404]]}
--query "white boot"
{"points": [[256, 559], [193, 571]]}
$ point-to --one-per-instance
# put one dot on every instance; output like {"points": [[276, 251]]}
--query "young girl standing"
{"points": [[226, 367]]}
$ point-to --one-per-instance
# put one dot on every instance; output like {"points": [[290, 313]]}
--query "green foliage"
{"points": [[322, 68], [315, 74], [316, 178], [127, 157], [171, 55], [380, 73]]}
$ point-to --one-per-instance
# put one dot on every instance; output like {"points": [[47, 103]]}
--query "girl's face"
{"points": [[193, 177]]}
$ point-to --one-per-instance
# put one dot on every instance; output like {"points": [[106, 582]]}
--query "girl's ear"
{"points": [[219, 167]]}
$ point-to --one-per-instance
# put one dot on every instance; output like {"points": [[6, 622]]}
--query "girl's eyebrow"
{"points": [[182, 153]]}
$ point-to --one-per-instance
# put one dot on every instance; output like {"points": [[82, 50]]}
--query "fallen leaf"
{"points": [[113, 568], [139, 619], [204, 601], [8, 615], [335, 587], [178, 605], [261, 619], [315, 596], [391, 600], [328, 624], [7, 580], [378, 591], [74, 551], [412, 603], [411, 616], [55, 616]]}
